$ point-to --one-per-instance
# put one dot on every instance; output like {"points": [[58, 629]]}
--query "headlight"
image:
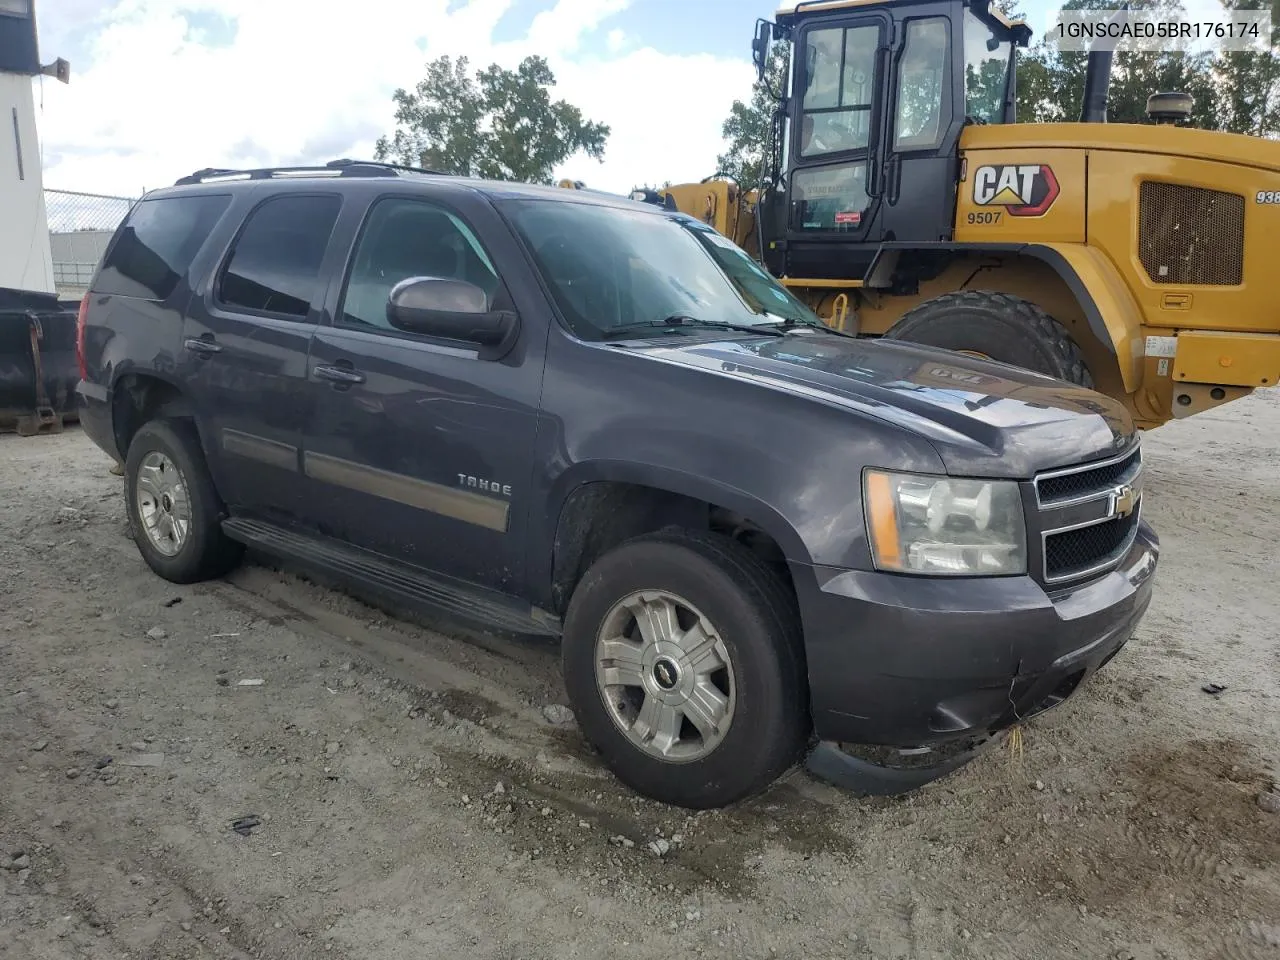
{"points": [[940, 526]]}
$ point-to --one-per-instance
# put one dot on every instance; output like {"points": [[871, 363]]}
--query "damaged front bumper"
{"points": [[911, 678]]}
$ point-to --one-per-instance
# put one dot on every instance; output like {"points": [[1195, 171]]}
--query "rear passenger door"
{"points": [[246, 342], [140, 295], [422, 449]]}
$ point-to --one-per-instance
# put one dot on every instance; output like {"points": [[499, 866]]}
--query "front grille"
{"points": [[1076, 552], [1056, 488], [1088, 516], [1189, 235]]}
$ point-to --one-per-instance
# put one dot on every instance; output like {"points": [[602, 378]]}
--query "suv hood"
{"points": [[985, 419]]}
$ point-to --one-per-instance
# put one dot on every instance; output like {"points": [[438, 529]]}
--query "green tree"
{"points": [[1051, 84], [748, 126], [501, 125], [1249, 81]]}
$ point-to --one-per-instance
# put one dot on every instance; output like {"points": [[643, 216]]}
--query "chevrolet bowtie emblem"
{"points": [[1123, 500]]}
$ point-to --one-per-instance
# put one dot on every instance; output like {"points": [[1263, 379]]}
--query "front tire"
{"points": [[174, 511], [998, 326], [682, 659]]}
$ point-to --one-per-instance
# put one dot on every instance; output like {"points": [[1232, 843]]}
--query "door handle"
{"points": [[338, 375], [202, 346]]}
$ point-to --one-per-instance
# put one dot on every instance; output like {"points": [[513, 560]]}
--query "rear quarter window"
{"points": [[156, 245]]}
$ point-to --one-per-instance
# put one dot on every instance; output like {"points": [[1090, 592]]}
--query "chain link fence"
{"points": [[80, 227], [71, 212]]}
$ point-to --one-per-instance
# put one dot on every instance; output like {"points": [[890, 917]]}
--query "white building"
{"points": [[25, 259]]}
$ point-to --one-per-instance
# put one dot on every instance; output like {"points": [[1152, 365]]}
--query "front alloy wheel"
{"points": [[683, 662], [665, 675]]}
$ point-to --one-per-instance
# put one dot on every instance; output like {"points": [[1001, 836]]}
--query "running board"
{"points": [[397, 583]]}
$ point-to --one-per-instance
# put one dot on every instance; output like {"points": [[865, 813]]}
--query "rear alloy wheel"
{"points": [[683, 663], [996, 326], [163, 503], [174, 511]]}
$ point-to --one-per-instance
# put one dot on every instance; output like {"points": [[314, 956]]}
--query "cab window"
{"points": [[830, 198], [986, 69], [923, 75], [839, 71]]}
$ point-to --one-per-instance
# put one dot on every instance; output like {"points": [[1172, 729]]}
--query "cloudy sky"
{"points": [[164, 87]]}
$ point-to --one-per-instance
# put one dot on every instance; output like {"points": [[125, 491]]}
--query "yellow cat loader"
{"points": [[904, 201]]}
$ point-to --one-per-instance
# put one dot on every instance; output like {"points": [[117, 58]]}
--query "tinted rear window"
{"points": [[156, 245], [275, 266]]}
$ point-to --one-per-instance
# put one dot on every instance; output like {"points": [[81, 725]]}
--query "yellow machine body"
{"points": [[1155, 246]]}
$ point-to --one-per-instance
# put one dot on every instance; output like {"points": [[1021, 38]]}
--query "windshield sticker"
{"points": [[851, 217], [1024, 190]]}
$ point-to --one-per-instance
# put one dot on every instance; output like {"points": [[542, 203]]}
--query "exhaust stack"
{"points": [[1097, 76]]}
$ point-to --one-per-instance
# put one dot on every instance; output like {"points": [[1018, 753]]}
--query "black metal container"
{"points": [[38, 365]]}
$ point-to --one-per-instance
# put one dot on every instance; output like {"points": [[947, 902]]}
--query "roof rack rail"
{"points": [[334, 168], [345, 163]]}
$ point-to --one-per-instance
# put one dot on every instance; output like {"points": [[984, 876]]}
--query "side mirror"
{"points": [[450, 309], [760, 47]]}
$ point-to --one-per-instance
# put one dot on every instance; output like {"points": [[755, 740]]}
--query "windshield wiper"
{"points": [[678, 321]]}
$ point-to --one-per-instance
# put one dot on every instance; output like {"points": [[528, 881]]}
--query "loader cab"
{"points": [[868, 129]]}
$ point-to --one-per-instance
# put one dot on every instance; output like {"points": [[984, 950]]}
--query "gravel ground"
{"points": [[412, 799]]}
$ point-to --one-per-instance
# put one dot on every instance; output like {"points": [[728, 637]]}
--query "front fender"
{"points": [[783, 460], [670, 480], [1114, 316], [1109, 307]]}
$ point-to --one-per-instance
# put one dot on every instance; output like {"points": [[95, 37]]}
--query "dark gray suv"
{"points": [[560, 412]]}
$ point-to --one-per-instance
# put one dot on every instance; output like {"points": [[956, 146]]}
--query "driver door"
{"points": [[422, 450]]}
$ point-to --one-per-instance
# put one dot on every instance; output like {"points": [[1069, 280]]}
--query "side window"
{"points": [[923, 75], [274, 266], [156, 245], [410, 238], [839, 71], [986, 69], [830, 198]]}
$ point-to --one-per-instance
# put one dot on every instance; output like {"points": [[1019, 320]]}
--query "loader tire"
{"points": [[997, 326]]}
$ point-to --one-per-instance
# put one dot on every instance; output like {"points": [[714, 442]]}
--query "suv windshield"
{"points": [[610, 268]]}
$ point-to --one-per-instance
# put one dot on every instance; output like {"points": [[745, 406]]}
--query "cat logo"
{"points": [[1024, 190]]}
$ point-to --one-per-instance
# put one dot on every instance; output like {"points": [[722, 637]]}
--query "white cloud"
{"points": [[310, 81]]}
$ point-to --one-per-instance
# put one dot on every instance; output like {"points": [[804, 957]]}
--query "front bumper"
{"points": [[911, 662]]}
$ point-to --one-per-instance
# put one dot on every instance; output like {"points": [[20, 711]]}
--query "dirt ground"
{"points": [[415, 802]]}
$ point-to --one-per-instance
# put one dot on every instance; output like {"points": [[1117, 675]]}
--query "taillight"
{"points": [[80, 319]]}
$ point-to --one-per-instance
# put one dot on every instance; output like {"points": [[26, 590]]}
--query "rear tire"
{"points": [[739, 619], [174, 511], [1002, 327]]}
